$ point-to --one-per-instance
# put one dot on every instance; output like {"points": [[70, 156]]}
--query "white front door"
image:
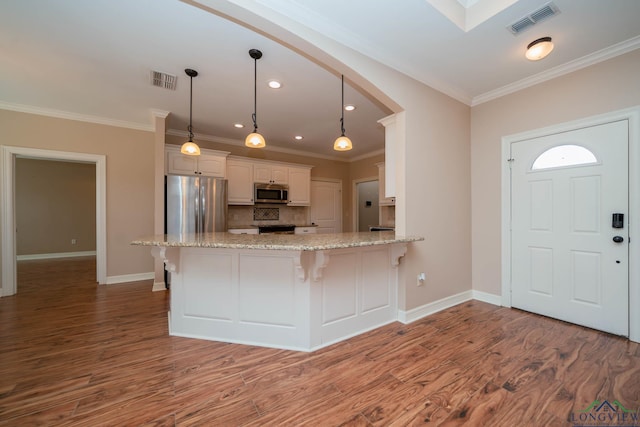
{"points": [[568, 261], [326, 206]]}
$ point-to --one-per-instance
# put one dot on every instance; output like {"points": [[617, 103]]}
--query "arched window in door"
{"points": [[564, 156]]}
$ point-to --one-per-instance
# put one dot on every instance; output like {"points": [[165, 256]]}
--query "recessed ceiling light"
{"points": [[274, 84], [349, 107], [238, 125], [298, 137]]}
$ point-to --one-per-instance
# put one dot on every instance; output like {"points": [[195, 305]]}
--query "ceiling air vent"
{"points": [[539, 15], [163, 80]]}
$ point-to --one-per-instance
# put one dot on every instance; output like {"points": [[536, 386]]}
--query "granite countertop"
{"points": [[287, 242]]}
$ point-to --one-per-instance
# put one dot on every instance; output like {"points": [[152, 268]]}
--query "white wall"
{"points": [[604, 87]]}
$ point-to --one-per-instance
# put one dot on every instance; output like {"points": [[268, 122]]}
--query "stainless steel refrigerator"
{"points": [[195, 204]]}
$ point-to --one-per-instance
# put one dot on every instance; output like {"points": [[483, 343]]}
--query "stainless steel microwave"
{"points": [[270, 193]]}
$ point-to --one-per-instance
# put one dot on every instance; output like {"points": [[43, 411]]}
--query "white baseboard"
{"points": [[55, 255], [486, 297], [436, 306], [433, 307], [159, 286], [111, 280]]}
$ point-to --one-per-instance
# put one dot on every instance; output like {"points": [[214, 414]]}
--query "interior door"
{"points": [[568, 260], [326, 206]]}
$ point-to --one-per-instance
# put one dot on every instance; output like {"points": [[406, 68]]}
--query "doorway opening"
{"points": [[55, 216], [8, 156], [367, 209]]}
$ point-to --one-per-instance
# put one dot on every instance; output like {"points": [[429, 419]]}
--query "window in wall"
{"points": [[563, 156]]}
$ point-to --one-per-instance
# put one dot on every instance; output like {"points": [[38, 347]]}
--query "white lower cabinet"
{"points": [[306, 230], [243, 231]]}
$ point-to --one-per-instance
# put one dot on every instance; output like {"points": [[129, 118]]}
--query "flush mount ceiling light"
{"points": [[255, 140], [349, 107], [190, 148], [539, 48], [298, 137], [274, 84], [238, 125], [342, 143]]}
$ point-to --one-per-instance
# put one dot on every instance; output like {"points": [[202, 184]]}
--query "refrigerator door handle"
{"points": [[197, 207], [201, 211]]}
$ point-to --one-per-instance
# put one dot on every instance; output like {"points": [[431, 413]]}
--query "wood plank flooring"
{"points": [[77, 354]]}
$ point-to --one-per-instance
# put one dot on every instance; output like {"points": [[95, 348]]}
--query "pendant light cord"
{"points": [[342, 107], [254, 116], [191, 110]]}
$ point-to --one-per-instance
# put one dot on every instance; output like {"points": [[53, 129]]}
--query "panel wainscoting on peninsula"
{"points": [[296, 292]]}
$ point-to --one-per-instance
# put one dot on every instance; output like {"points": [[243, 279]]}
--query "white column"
{"points": [[160, 123]]}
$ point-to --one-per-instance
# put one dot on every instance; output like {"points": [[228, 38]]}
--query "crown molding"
{"points": [[59, 114], [47, 112], [367, 155], [586, 61]]}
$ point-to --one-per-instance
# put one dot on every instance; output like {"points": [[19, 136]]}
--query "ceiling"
{"points": [[91, 60]]}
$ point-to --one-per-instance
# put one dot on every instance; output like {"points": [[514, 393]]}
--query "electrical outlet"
{"points": [[74, 241], [421, 278]]}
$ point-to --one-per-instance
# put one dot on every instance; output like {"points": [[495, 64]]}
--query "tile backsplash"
{"points": [[239, 216], [262, 214], [388, 216]]}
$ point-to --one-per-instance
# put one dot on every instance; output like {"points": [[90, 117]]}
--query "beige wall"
{"points": [[365, 168], [601, 88], [437, 197], [55, 202], [129, 173]]}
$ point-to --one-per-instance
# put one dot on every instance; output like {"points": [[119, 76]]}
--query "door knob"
{"points": [[618, 239]]}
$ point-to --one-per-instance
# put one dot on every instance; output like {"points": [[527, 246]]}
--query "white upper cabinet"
{"points": [[299, 186], [394, 132], [208, 163], [382, 199], [240, 182], [242, 173], [270, 173]]}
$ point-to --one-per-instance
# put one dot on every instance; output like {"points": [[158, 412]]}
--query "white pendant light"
{"points": [[190, 148], [342, 143], [539, 49], [254, 139]]}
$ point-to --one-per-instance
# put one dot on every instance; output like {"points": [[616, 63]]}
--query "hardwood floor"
{"points": [[73, 353]]}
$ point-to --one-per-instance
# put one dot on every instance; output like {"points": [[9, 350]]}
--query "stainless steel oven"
{"points": [[277, 229]]}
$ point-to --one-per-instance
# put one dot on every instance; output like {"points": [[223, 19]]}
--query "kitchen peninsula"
{"points": [[299, 292]]}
